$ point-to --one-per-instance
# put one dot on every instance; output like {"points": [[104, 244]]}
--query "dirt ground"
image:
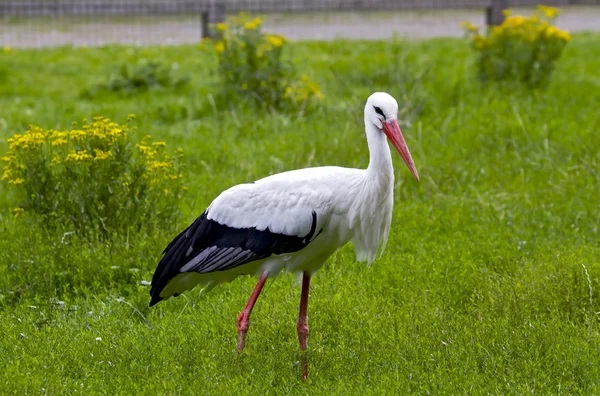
{"points": [[304, 26]]}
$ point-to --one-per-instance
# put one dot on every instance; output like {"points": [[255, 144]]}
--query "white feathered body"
{"points": [[350, 205]]}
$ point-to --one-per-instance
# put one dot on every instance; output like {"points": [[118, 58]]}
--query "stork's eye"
{"points": [[378, 111]]}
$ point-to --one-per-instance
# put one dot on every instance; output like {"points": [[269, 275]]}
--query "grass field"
{"points": [[489, 284]]}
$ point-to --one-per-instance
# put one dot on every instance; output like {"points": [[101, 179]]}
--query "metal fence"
{"points": [[97, 22]]}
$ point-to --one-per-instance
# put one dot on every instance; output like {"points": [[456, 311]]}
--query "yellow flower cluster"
{"points": [[525, 45], [94, 141], [220, 47], [97, 165], [276, 40], [533, 28], [158, 162], [549, 12], [251, 63], [253, 24], [303, 90], [78, 156]]}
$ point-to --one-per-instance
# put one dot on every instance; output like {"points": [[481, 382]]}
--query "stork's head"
{"points": [[381, 110]]}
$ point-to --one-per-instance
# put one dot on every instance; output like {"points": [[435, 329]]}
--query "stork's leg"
{"points": [[302, 325], [244, 317]]}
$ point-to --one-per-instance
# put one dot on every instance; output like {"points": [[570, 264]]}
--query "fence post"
{"points": [[215, 14], [494, 15]]}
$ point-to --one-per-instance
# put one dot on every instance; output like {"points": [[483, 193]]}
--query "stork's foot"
{"points": [[302, 328], [243, 324]]}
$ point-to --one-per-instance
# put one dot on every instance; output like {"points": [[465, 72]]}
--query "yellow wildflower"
{"points": [[77, 134], [18, 211], [78, 156], [275, 41], [146, 151], [468, 26], [130, 117], [59, 142], [221, 27], [219, 47], [101, 155], [563, 35], [549, 12], [244, 86], [16, 181], [551, 31], [253, 24], [7, 174], [159, 165], [479, 42], [7, 49], [159, 144], [514, 21]]}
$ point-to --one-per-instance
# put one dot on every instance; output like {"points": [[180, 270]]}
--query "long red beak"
{"points": [[392, 131]]}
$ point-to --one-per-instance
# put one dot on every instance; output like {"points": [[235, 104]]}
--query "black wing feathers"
{"points": [[229, 248]]}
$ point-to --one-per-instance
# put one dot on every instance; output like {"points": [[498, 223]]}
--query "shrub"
{"points": [[95, 179], [252, 66], [142, 76], [522, 49]]}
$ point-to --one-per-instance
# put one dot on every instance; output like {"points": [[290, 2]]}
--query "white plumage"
{"points": [[291, 221]]}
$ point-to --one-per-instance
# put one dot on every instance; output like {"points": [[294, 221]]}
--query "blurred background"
{"points": [[45, 23]]}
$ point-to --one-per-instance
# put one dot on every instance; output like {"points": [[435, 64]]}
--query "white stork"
{"points": [[293, 220]]}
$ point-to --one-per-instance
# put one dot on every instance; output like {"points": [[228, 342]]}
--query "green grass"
{"points": [[490, 282]]}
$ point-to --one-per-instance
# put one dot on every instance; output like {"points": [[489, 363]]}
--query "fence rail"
{"points": [[213, 11]]}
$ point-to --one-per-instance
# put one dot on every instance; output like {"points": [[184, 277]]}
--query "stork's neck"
{"points": [[380, 158]]}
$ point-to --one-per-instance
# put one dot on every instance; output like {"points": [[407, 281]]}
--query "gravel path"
{"points": [[308, 26]]}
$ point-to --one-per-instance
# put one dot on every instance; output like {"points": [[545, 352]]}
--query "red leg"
{"points": [[244, 317], [302, 325]]}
